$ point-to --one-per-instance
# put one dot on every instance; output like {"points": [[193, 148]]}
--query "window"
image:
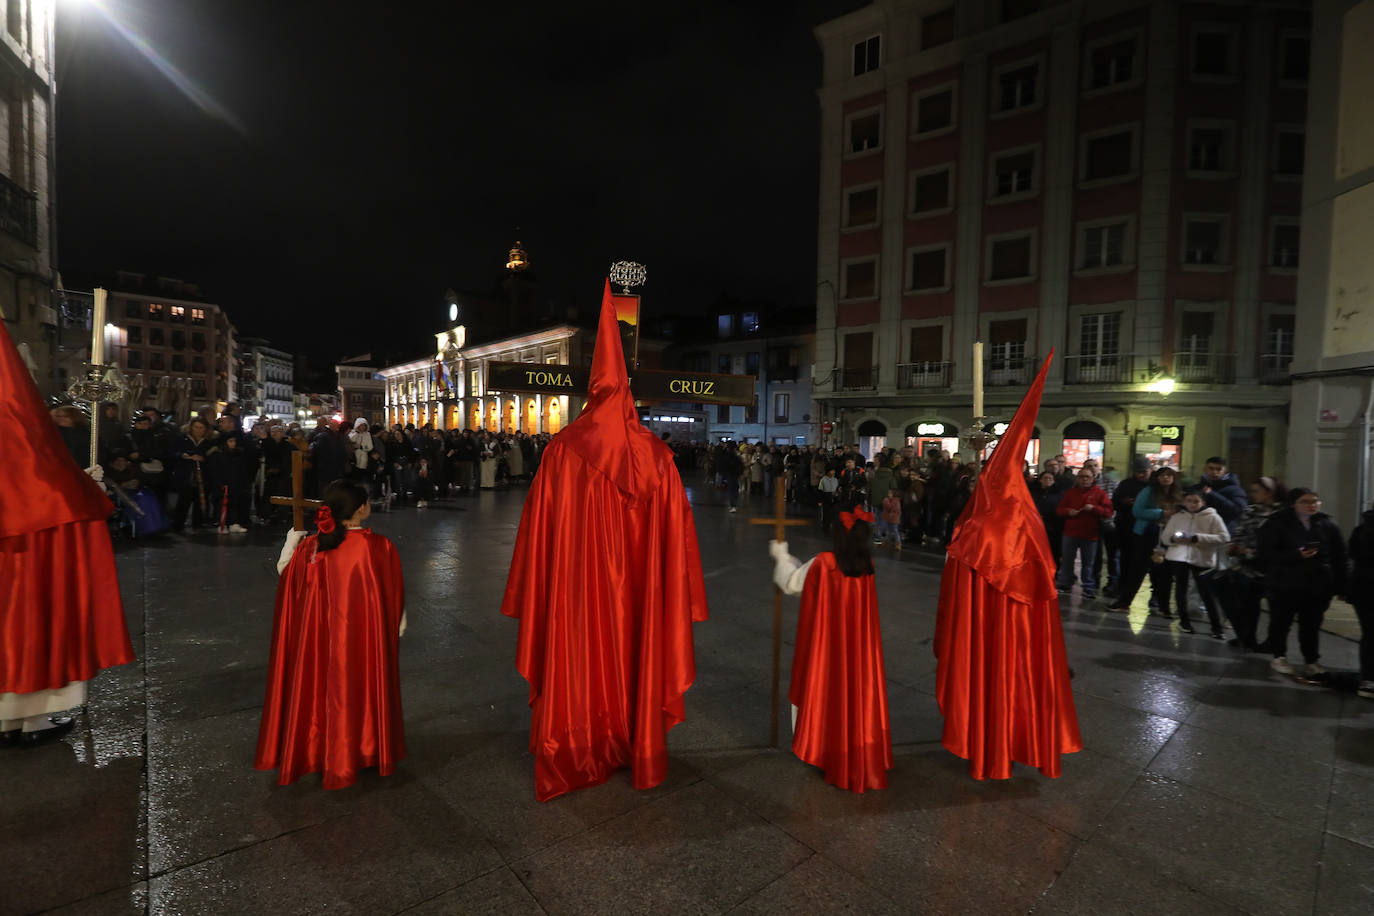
{"points": [[198, 387], [935, 111], [133, 359], [157, 362], [1016, 88], [928, 269], [723, 363], [861, 207], [1295, 58], [155, 338], [1212, 53], [861, 280], [197, 341], [722, 413], [1209, 149], [474, 382], [1010, 258], [355, 399], [1015, 9], [1285, 246], [930, 191], [1099, 338], [1202, 240], [1278, 335], [1103, 246], [197, 316], [749, 322], [178, 313], [1111, 64], [133, 309], [782, 408], [1006, 345], [725, 325], [858, 360], [178, 363], [751, 363], [1013, 174], [135, 334], [1195, 339], [866, 132], [154, 311], [1109, 155], [937, 28], [197, 364], [178, 339], [1289, 152], [867, 54], [927, 345]]}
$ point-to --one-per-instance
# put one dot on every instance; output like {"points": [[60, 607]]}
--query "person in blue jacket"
{"points": [[1222, 491], [1151, 510]]}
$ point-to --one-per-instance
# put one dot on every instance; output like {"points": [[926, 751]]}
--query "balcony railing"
{"points": [[784, 373], [18, 212], [859, 379], [1099, 369], [1275, 368], [1205, 368], [1009, 371], [924, 375]]}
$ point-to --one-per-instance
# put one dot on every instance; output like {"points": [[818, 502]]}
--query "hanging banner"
{"points": [[645, 384]]}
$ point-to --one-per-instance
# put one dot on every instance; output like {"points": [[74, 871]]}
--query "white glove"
{"points": [[97, 473], [403, 624], [778, 549], [293, 537]]}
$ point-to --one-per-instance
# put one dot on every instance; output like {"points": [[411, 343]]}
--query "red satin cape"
{"points": [[333, 700], [61, 616], [838, 682]]}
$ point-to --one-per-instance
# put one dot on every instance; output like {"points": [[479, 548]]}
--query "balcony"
{"points": [[1275, 368], [924, 375], [859, 379], [1001, 371], [1099, 369], [783, 373], [18, 212], [1205, 368]]}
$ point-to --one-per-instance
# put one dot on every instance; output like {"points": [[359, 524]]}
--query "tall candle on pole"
{"points": [[977, 380], [97, 365]]}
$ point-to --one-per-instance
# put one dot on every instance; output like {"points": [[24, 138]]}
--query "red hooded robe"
{"points": [[61, 616], [606, 580], [1002, 679]]}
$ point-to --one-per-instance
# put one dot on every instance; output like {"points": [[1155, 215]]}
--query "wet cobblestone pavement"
{"points": [[1207, 784]]}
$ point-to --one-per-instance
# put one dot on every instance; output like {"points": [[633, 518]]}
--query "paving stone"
{"points": [[497, 893], [819, 886], [1345, 887]]}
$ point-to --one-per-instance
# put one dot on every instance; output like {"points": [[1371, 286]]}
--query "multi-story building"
{"points": [[361, 390], [176, 349], [448, 388], [778, 350], [26, 95], [1117, 181], [311, 406], [266, 380]]}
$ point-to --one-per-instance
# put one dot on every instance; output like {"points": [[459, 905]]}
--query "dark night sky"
{"points": [[383, 153]]}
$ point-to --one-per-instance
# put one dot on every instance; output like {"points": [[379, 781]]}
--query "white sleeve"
{"points": [[293, 538], [1218, 534], [789, 574], [403, 624]]}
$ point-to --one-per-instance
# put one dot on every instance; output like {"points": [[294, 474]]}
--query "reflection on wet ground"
{"points": [[1207, 783]]}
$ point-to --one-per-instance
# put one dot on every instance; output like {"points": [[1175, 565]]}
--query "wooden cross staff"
{"points": [[780, 523], [297, 500]]}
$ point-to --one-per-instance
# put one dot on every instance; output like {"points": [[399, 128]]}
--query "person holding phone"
{"points": [[1304, 558]]}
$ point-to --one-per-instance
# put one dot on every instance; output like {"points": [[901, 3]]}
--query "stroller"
{"points": [[137, 510]]}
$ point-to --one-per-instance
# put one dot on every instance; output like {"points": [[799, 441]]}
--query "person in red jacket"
{"points": [[1082, 509]]}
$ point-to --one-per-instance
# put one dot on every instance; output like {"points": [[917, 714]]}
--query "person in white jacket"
{"points": [[1192, 541]]}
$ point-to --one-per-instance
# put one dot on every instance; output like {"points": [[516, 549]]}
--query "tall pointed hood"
{"points": [[608, 434], [1000, 533], [40, 485]]}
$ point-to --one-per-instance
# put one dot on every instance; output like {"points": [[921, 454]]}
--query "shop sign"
{"points": [[930, 429], [1167, 433]]}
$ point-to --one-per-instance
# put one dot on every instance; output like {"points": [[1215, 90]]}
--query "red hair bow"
{"points": [[848, 518], [324, 520]]}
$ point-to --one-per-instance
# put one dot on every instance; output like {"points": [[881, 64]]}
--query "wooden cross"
{"points": [[297, 500], [780, 523]]}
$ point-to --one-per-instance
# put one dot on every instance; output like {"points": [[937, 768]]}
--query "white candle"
{"points": [[977, 378], [98, 328]]}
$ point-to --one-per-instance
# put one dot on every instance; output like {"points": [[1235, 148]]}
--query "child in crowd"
{"points": [[890, 521], [1191, 541]]}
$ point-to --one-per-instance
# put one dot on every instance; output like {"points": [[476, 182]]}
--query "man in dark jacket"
{"points": [[329, 453], [1123, 502], [729, 467], [1304, 560], [1223, 492], [1360, 592]]}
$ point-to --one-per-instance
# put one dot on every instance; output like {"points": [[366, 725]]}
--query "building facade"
{"points": [[26, 217], [777, 352], [361, 392], [448, 389], [1115, 181], [266, 380], [178, 353]]}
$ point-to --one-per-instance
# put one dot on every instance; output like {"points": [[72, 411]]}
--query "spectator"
{"points": [[1123, 502], [231, 472], [1304, 565], [1360, 593], [1081, 510], [1192, 540], [1244, 584], [1151, 510], [890, 519], [1222, 491], [730, 466], [829, 493], [1046, 498]]}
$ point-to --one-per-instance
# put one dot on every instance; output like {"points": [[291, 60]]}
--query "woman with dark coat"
{"points": [[1360, 592], [1046, 495], [1304, 559], [190, 476]]}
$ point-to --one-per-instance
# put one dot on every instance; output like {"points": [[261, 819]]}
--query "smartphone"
{"points": [[1312, 545]]}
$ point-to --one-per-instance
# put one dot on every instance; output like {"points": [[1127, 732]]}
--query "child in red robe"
{"points": [[333, 687], [839, 687]]}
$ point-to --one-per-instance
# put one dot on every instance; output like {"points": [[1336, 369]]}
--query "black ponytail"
{"points": [[853, 547], [343, 499]]}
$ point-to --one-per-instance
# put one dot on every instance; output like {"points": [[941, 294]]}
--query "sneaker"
{"points": [[733, 510], [422, 504], [1185, 627], [1314, 671], [1280, 664], [1366, 690], [237, 529]]}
